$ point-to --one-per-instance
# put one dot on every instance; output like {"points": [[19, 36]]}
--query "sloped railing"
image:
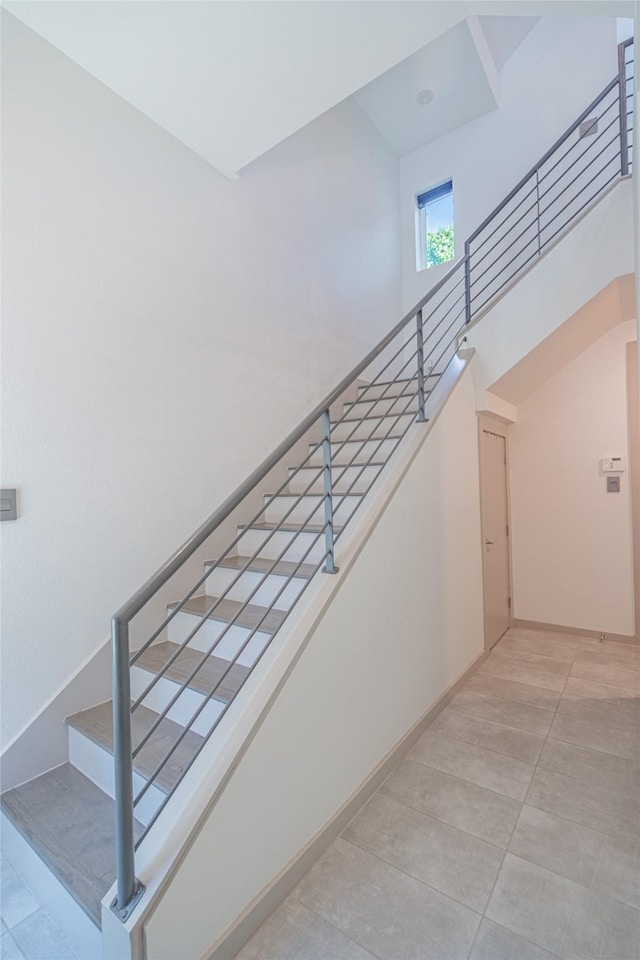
{"points": [[570, 177]]}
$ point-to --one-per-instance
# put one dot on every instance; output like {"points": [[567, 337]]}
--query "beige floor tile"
{"points": [[597, 860], [525, 716], [512, 667], [509, 741], [562, 648], [447, 859], [601, 705], [512, 692], [607, 657], [563, 916], [619, 741], [593, 767], [475, 764], [612, 674], [387, 912], [494, 942], [598, 807], [294, 932], [480, 812]]}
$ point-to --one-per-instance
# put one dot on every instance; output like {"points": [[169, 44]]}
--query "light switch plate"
{"points": [[8, 505]]}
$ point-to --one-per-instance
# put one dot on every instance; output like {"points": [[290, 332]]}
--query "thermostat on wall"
{"points": [[613, 464]]}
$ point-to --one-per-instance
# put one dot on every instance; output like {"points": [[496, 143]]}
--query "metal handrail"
{"points": [[437, 320]]}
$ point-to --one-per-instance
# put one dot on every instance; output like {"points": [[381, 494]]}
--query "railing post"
{"points": [[329, 564], [128, 890], [538, 208], [420, 361], [467, 282], [622, 109]]}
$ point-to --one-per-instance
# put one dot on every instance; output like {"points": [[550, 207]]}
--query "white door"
{"points": [[495, 534]]}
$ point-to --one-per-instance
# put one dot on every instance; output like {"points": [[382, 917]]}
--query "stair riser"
{"points": [[374, 428], [268, 587], [359, 451], [385, 390], [301, 511], [227, 648], [385, 405], [185, 706], [97, 764], [343, 478], [296, 549]]}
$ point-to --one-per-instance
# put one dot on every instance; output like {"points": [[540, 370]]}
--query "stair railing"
{"points": [[397, 377]]}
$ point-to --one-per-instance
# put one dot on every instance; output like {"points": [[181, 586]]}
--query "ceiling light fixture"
{"points": [[424, 97]]}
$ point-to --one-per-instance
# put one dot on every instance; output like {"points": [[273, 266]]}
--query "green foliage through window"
{"points": [[439, 246]]}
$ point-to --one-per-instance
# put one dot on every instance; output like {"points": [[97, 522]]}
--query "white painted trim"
{"points": [[577, 631]]}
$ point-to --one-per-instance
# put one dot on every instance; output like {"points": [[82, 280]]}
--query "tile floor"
{"points": [[27, 931], [510, 831]]}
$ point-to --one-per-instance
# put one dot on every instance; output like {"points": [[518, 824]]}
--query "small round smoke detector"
{"points": [[424, 97]]}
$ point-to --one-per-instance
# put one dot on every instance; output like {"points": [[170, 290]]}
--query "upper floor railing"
{"points": [[346, 449]]}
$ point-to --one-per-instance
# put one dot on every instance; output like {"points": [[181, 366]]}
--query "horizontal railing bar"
{"points": [[585, 204], [486, 286], [616, 156], [220, 680], [512, 243], [218, 601], [364, 466], [502, 223], [487, 300], [138, 600], [574, 126], [547, 173], [474, 265], [376, 381], [348, 439], [209, 733], [207, 573], [613, 139]]}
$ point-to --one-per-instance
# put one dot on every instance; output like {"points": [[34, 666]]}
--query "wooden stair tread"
{"points": [[284, 568], [289, 527], [70, 823], [96, 723], [154, 658], [228, 610]]}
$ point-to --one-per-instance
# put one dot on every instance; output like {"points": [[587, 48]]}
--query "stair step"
{"points": [[356, 452], [364, 477], [96, 724], [208, 676], [228, 611], [285, 568], [70, 823], [288, 527]]}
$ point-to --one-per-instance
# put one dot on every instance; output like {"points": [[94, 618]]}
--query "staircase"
{"points": [[86, 819]]}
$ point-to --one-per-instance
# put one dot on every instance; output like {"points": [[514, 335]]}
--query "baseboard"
{"points": [[579, 631], [268, 900]]}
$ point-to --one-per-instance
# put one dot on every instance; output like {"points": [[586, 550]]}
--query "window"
{"points": [[435, 226]]}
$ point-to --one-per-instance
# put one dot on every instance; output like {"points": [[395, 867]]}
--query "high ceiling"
{"points": [[459, 69], [230, 80]]}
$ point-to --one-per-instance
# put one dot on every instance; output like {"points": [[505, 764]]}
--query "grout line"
{"points": [[522, 803]]}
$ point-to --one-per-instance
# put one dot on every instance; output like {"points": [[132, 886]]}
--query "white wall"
{"points": [[572, 541], [550, 79], [163, 329], [597, 250], [395, 637]]}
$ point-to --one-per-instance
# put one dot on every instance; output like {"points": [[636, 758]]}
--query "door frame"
{"points": [[495, 424]]}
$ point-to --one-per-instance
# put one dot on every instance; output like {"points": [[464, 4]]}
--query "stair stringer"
{"points": [[353, 669], [595, 251]]}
